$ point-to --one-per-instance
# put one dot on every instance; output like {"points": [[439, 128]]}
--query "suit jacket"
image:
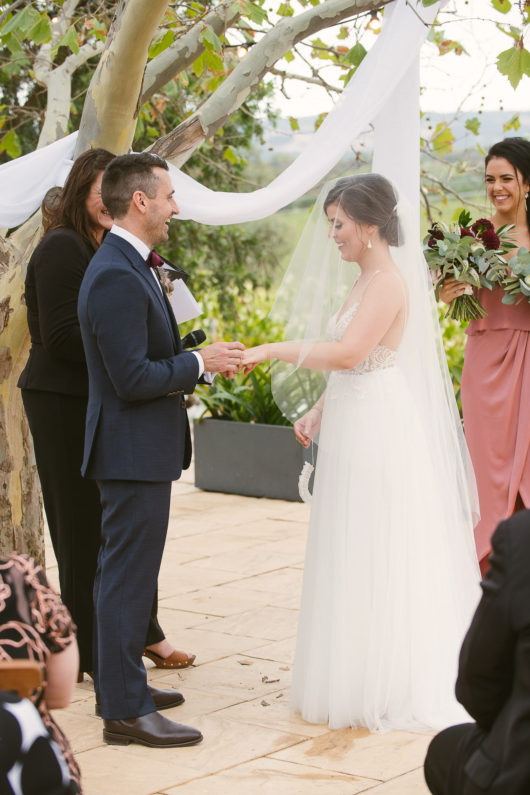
{"points": [[494, 674], [55, 271], [137, 425]]}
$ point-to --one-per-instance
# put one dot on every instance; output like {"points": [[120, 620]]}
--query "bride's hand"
{"points": [[253, 356], [307, 427], [451, 289]]}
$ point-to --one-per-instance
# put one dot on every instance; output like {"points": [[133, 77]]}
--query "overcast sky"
{"points": [[448, 81]]}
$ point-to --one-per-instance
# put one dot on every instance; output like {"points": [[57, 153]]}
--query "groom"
{"points": [[137, 438]]}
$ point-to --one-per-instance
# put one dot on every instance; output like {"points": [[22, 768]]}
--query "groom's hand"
{"points": [[222, 357]]}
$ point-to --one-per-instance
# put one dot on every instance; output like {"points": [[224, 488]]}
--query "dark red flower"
{"points": [[465, 232], [490, 239], [481, 226], [435, 234]]}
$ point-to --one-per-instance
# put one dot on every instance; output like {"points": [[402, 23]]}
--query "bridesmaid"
{"points": [[496, 376]]}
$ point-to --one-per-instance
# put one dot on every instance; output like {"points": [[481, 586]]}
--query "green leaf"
{"points": [[443, 138], [210, 39], [12, 43], [343, 33], [320, 118], [198, 66], [355, 55], [473, 125], [252, 11], [99, 30], [504, 6], [514, 63], [230, 155], [285, 10], [41, 31], [294, 123], [69, 40], [289, 56], [513, 124], [213, 61], [21, 23], [10, 144], [427, 3], [14, 66], [161, 44], [464, 218]]}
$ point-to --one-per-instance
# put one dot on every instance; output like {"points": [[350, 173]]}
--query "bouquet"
{"points": [[470, 253], [516, 283]]}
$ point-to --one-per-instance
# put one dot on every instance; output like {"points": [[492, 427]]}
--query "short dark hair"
{"points": [[127, 174], [516, 151], [368, 199], [70, 211]]}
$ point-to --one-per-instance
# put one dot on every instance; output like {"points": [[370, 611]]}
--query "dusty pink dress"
{"points": [[496, 406]]}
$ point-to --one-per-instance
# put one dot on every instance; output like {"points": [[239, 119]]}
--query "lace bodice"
{"points": [[381, 358]]}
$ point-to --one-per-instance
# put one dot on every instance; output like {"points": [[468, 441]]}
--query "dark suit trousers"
{"points": [[73, 507], [133, 534], [446, 759]]}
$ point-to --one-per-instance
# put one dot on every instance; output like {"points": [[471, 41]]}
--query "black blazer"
{"points": [[494, 674], [55, 271], [137, 425]]}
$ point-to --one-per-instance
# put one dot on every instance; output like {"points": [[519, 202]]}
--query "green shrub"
{"points": [[244, 398]]}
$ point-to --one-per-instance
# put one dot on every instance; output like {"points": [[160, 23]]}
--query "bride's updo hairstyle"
{"points": [[368, 199]]}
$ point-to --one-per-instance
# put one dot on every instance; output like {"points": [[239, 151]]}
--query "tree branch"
{"points": [[447, 189], [111, 105], [186, 49], [180, 144], [318, 81]]}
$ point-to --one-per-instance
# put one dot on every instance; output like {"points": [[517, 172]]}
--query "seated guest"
{"points": [[35, 625], [492, 755]]}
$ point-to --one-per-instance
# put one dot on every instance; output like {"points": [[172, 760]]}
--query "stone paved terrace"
{"points": [[229, 591]]}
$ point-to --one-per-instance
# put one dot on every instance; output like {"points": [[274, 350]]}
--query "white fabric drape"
{"points": [[380, 82]]}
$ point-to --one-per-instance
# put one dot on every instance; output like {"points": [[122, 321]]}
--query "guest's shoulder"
{"points": [[511, 556], [514, 533], [62, 243]]}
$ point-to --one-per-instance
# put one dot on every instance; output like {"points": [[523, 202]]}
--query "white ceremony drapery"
{"points": [[379, 89]]}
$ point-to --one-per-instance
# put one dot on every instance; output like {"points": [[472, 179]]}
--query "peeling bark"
{"points": [[21, 519]]}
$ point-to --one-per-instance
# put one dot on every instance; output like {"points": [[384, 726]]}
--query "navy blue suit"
{"points": [[137, 441]]}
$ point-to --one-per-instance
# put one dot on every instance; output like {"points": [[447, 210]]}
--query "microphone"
{"points": [[194, 338]]}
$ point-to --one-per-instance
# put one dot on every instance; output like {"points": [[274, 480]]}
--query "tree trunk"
{"points": [[21, 518]]}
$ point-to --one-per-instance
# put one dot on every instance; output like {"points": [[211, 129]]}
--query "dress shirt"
{"points": [[143, 250]]}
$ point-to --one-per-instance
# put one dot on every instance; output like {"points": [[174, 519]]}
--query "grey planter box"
{"points": [[247, 458]]}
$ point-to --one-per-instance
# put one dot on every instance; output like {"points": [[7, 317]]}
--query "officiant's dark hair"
{"points": [[516, 151], [71, 208], [127, 174], [368, 199]]}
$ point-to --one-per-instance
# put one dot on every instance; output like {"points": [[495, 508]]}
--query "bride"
{"points": [[391, 577]]}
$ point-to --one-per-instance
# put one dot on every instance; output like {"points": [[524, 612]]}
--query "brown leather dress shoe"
{"points": [[177, 659], [164, 699], [153, 730]]}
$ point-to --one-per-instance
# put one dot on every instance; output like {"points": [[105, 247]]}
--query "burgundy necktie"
{"points": [[154, 260]]}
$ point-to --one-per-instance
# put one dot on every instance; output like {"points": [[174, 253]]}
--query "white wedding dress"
{"points": [[388, 594]]}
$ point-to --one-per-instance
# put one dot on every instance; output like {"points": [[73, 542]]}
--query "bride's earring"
{"points": [[369, 244]]}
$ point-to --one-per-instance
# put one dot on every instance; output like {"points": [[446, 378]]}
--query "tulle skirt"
{"points": [[391, 576]]}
